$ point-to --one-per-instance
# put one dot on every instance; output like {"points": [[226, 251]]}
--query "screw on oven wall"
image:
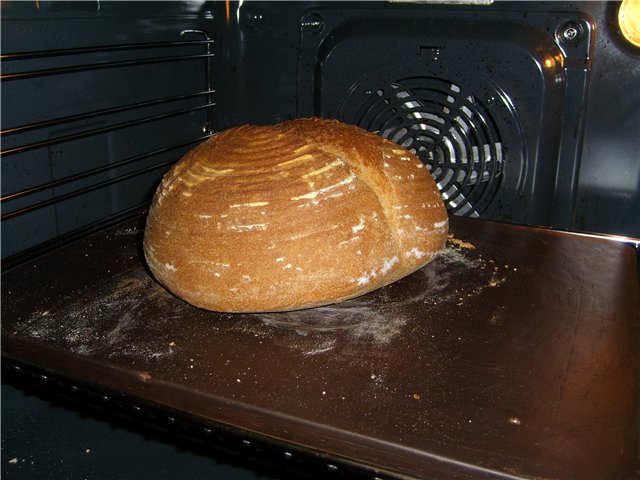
{"points": [[313, 22], [570, 32]]}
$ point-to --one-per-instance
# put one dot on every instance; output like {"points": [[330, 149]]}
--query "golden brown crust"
{"points": [[296, 215]]}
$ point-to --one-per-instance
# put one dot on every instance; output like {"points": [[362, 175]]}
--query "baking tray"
{"points": [[513, 354]]}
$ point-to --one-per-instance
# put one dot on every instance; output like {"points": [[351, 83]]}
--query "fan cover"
{"points": [[449, 129]]}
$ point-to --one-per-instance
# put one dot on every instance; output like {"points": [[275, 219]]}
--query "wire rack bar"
{"points": [[99, 113], [82, 191], [102, 65], [68, 237], [100, 49], [105, 168], [88, 133]]}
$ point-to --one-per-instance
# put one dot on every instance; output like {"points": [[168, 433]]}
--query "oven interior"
{"points": [[526, 114]]}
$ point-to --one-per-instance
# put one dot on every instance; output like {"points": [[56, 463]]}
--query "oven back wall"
{"points": [[562, 139]]}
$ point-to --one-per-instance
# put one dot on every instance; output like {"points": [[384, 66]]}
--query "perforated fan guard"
{"points": [[491, 105], [454, 135]]}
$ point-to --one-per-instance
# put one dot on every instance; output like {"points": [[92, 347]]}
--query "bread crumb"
{"points": [[415, 396], [460, 243]]}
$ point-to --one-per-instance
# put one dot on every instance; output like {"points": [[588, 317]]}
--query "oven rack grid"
{"points": [[126, 113]]}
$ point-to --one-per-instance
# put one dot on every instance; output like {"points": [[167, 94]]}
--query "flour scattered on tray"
{"points": [[323, 347], [104, 321], [119, 316], [360, 319], [378, 318]]}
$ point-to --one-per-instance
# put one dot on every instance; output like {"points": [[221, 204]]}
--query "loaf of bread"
{"points": [[301, 214]]}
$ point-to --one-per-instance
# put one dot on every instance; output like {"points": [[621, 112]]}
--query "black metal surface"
{"points": [[96, 106], [608, 184], [510, 65], [52, 432], [496, 360], [557, 177]]}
